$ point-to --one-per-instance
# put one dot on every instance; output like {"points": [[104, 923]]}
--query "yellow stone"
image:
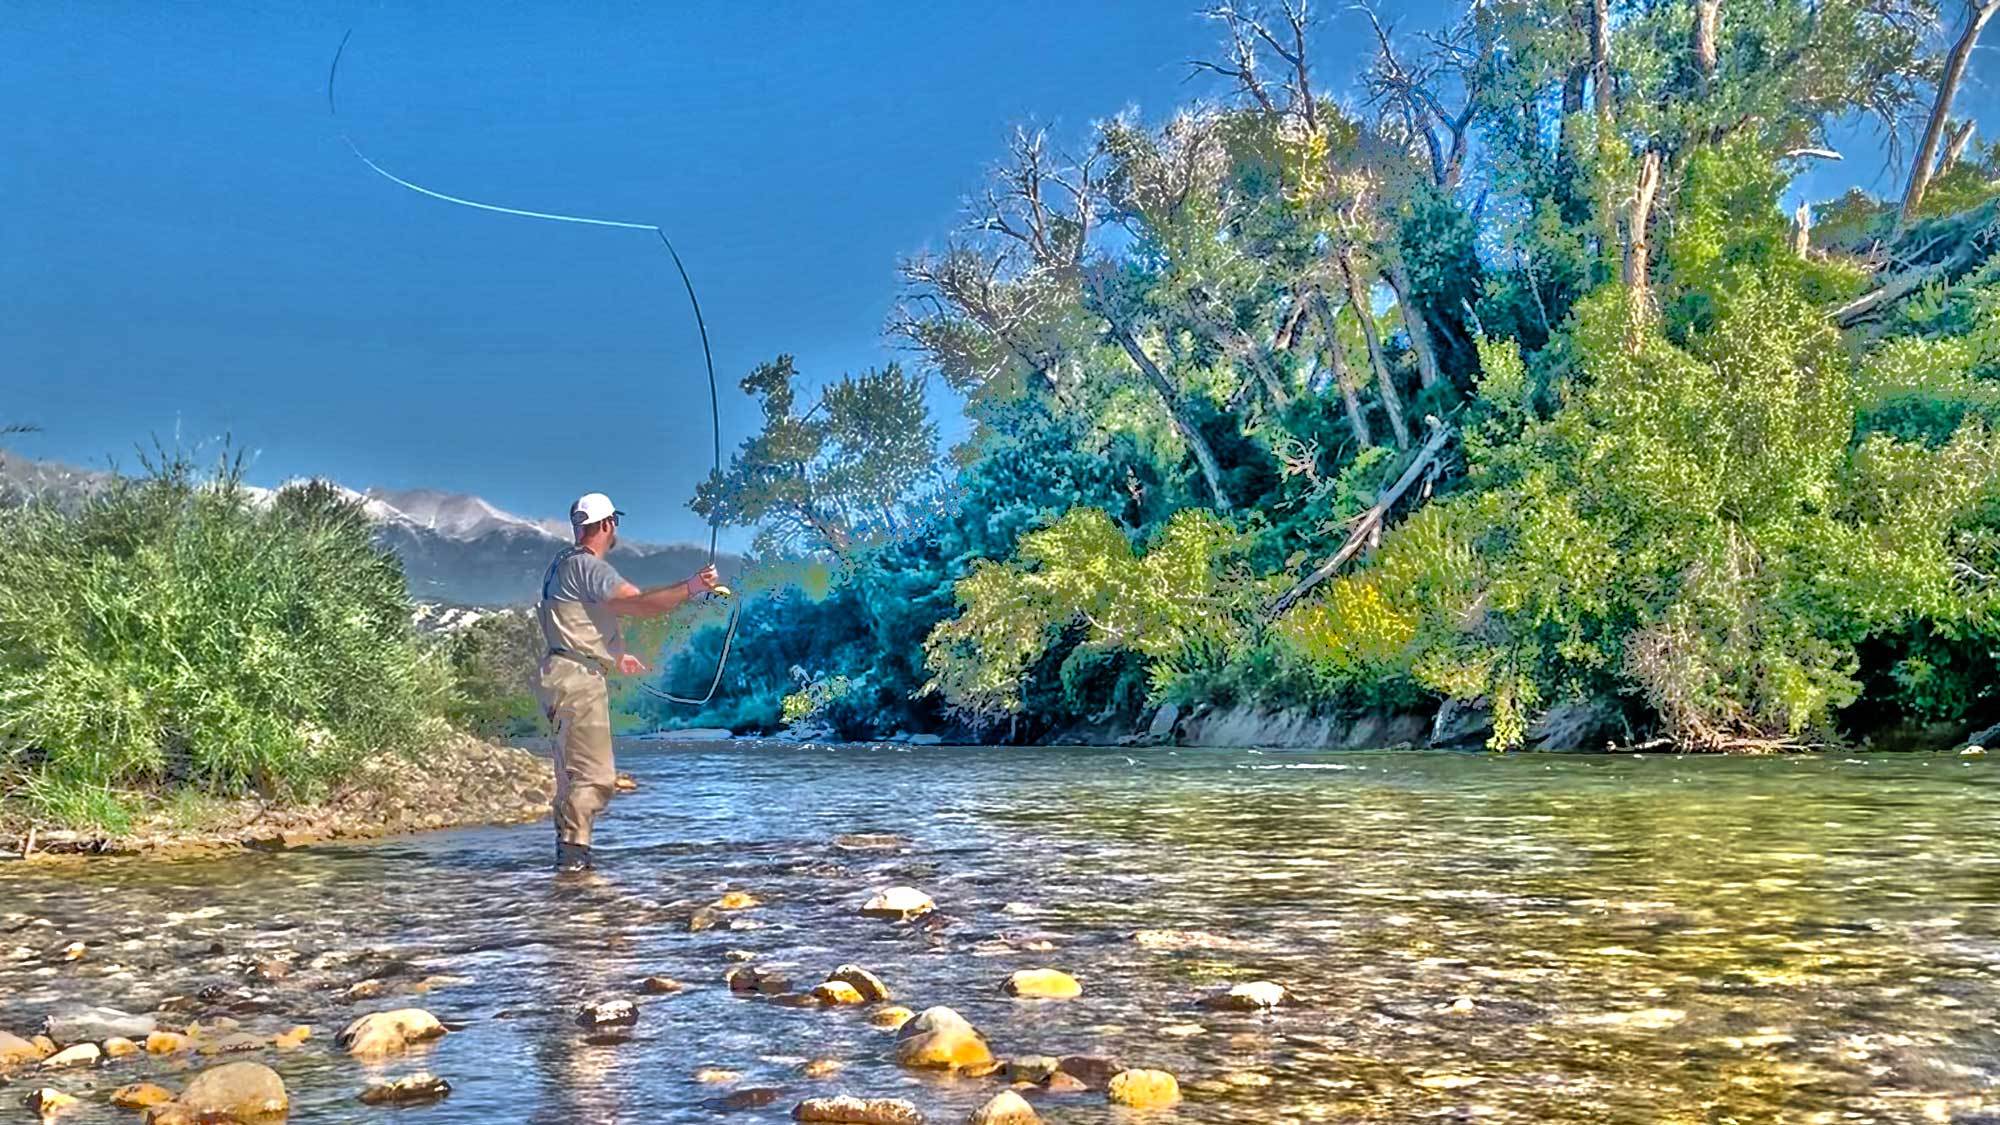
{"points": [[716, 1077], [140, 1095], [892, 1018], [117, 1047], [738, 900], [821, 1068], [1042, 984], [1144, 1089], [49, 1102], [836, 992], [293, 1038], [167, 1043]]}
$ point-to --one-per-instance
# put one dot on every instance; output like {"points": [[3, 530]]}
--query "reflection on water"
{"points": [[1520, 938]]}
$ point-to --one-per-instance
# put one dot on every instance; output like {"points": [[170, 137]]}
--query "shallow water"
{"points": [[1526, 938]]}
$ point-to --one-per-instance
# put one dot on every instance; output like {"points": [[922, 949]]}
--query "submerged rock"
{"points": [[750, 978], [898, 903], [233, 1042], [141, 1095], [293, 1038], [1062, 1082], [941, 1039], [891, 1018], [851, 1110], [869, 985], [415, 1089], [1094, 1071], [1256, 996], [607, 1013], [715, 1076], [78, 1023], [1032, 1068], [1143, 1089], [821, 1068], [1005, 1108], [246, 1091], [660, 986], [381, 1034], [868, 842], [1042, 984], [750, 1097], [737, 900]]}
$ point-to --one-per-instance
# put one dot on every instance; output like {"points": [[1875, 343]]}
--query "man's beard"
{"points": [[611, 543]]}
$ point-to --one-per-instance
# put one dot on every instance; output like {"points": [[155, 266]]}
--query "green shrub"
{"points": [[177, 631]]}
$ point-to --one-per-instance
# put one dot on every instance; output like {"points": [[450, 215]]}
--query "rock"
{"points": [[167, 1043], [821, 1068], [1144, 1089], [1184, 939], [836, 992], [381, 1034], [1032, 1068], [1461, 724], [292, 1039], [141, 1095], [79, 1023], [233, 1042], [364, 990], [858, 1111], [1256, 996], [83, 1054], [48, 1102], [1163, 722], [1973, 751], [739, 955], [891, 1018], [1062, 1082], [869, 985], [703, 919], [117, 1047], [414, 1089], [750, 978], [607, 1013], [246, 1091], [1989, 737], [750, 1097], [1042, 984], [716, 1077], [941, 1039], [737, 900], [171, 1113], [1006, 1108], [898, 903], [1094, 1071], [660, 986], [625, 783], [74, 951], [16, 1051]]}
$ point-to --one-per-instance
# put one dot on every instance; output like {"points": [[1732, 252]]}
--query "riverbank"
{"points": [[457, 782]]}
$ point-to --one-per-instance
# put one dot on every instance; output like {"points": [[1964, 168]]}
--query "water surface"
{"points": [[1525, 938]]}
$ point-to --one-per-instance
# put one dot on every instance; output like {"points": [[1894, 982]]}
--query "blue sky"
{"points": [[189, 250]]}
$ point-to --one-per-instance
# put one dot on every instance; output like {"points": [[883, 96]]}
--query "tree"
{"points": [[832, 476], [1977, 14]]}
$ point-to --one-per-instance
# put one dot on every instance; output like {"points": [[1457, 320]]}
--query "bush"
{"points": [[492, 663], [175, 631]]}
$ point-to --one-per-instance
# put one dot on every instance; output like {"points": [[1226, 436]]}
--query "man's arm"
{"points": [[630, 601]]}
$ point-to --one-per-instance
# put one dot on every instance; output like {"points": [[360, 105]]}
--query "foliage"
{"points": [[174, 631], [492, 662]]}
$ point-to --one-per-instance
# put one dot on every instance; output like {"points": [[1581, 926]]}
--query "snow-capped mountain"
{"points": [[456, 549]]}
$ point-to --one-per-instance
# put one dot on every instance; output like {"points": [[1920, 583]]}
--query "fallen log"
{"points": [[1370, 524]]}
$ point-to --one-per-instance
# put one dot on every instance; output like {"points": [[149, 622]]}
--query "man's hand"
{"points": [[629, 665], [704, 580]]}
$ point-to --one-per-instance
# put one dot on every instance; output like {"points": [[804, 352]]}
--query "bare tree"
{"points": [[1357, 299], [1250, 33], [1977, 13], [1409, 95]]}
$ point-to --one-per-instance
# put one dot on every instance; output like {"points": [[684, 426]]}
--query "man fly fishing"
{"points": [[583, 596]]}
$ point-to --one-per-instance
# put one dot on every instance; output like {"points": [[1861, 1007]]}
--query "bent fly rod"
{"points": [[701, 326]]}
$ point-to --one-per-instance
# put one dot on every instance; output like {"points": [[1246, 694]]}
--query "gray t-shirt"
{"points": [[583, 577]]}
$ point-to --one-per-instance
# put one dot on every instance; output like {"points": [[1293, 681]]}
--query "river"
{"points": [[1519, 938]]}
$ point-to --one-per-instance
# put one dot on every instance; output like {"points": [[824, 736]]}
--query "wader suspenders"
{"points": [[543, 610]]}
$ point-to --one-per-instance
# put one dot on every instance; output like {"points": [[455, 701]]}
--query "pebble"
{"points": [[415, 1089], [1042, 984], [899, 904], [1006, 1108], [381, 1034], [850, 1110], [1143, 1089]]}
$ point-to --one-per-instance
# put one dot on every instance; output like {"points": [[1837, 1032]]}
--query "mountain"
{"points": [[456, 549]]}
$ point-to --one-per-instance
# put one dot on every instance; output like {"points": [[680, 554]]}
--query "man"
{"points": [[582, 599]]}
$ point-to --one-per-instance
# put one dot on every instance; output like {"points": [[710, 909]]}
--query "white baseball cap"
{"points": [[590, 508]]}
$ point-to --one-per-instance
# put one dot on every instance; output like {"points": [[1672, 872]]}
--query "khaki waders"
{"points": [[577, 700]]}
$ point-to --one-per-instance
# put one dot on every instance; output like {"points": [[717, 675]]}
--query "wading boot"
{"points": [[572, 857]]}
